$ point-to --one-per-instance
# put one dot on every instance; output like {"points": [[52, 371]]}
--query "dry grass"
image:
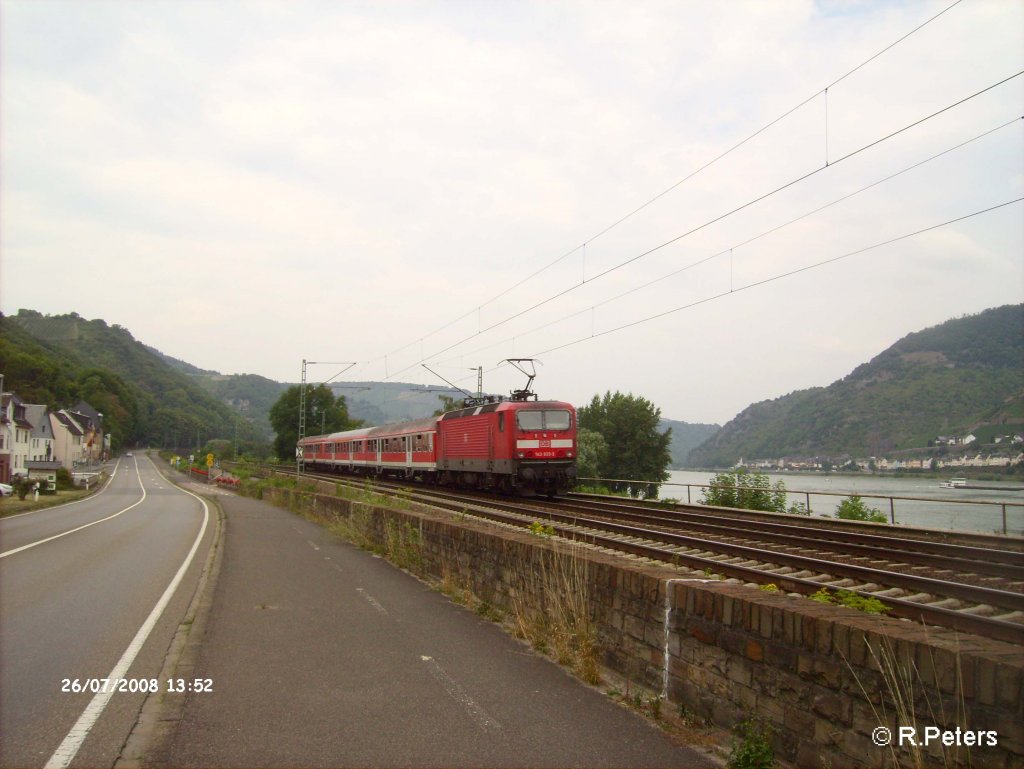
{"points": [[552, 612], [906, 691]]}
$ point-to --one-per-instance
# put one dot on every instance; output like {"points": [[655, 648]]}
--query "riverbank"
{"points": [[916, 500]]}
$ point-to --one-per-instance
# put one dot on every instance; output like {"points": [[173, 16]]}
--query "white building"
{"points": [[15, 437], [68, 439]]}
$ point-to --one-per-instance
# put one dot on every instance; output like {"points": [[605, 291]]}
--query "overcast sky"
{"points": [[244, 185]]}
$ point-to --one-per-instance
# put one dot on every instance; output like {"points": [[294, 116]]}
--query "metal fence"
{"points": [[808, 494]]}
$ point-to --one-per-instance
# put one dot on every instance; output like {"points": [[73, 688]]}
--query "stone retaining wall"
{"points": [[823, 678]]}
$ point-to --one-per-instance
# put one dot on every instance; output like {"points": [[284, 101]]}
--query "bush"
{"points": [[853, 509], [745, 490], [22, 486], [64, 479]]}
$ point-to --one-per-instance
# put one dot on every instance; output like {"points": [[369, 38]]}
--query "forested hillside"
{"points": [[944, 380], [58, 360]]}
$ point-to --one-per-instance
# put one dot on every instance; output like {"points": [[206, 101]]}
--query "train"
{"points": [[519, 446]]}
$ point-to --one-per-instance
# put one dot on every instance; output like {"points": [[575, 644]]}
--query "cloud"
{"points": [[279, 181]]}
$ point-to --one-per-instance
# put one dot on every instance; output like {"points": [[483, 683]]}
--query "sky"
{"points": [[706, 204]]}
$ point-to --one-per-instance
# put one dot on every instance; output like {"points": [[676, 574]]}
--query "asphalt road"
{"points": [[71, 605], [322, 655]]}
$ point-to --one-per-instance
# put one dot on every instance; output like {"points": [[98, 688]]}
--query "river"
{"points": [[939, 508]]}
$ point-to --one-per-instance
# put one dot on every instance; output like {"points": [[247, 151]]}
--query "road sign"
{"points": [[209, 460]]}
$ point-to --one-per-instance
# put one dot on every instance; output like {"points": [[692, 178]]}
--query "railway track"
{"points": [[970, 586]]}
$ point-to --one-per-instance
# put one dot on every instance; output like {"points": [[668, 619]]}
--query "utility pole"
{"points": [[479, 381], [302, 401], [302, 419]]}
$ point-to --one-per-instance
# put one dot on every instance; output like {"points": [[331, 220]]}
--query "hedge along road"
{"points": [[324, 655], [92, 591]]}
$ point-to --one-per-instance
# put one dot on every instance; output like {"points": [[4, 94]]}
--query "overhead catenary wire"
{"points": [[714, 220], [781, 276], [669, 189], [748, 241]]}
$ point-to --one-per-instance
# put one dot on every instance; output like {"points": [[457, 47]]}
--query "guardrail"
{"points": [[808, 494]]}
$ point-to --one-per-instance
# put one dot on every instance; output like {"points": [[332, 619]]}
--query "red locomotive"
{"points": [[514, 446]]}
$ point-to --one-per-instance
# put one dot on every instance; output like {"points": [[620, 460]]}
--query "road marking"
{"points": [[371, 600], [68, 749], [86, 526], [312, 545], [458, 694]]}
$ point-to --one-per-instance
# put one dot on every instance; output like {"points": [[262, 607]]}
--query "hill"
{"points": [[949, 379], [375, 403], [60, 359], [686, 436]]}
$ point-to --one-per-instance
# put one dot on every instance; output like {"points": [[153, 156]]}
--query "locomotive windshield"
{"points": [[535, 419]]}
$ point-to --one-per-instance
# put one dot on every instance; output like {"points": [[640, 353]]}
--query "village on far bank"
{"points": [[995, 451]]}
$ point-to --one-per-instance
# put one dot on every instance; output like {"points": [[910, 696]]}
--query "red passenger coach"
{"points": [[526, 447]]}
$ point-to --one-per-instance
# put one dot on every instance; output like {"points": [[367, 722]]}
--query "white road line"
{"points": [[458, 694], [371, 600], [86, 526], [68, 749], [312, 545]]}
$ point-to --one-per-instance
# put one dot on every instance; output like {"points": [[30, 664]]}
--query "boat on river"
{"points": [[954, 483]]}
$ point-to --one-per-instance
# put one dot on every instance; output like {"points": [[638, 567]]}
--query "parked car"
{"points": [[6, 489]]}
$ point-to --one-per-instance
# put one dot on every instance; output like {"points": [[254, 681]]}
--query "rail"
{"points": [[808, 494]]}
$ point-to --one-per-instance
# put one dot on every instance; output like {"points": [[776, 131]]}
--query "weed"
{"points": [[867, 604], [908, 692], [851, 600], [357, 528], [539, 529], [403, 545], [556, 615], [751, 746], [489, 611], [771, 587], [690, 719], [821, 596]]}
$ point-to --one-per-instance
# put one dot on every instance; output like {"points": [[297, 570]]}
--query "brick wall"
{"points": [[822, 677]]}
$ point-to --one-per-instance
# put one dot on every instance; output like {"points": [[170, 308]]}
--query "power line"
{"points": [[716, 219], [748, 241], [780, 276], [669, 189]]}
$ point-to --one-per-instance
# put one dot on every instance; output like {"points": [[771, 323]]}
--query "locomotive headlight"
{"points": [[521, 454], [569, 454]]}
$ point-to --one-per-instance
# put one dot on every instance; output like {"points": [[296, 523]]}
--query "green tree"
{"points": [[448, 403], [591, 453], [111, 396], [637, 452], [324, 414], [220, 448]]}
